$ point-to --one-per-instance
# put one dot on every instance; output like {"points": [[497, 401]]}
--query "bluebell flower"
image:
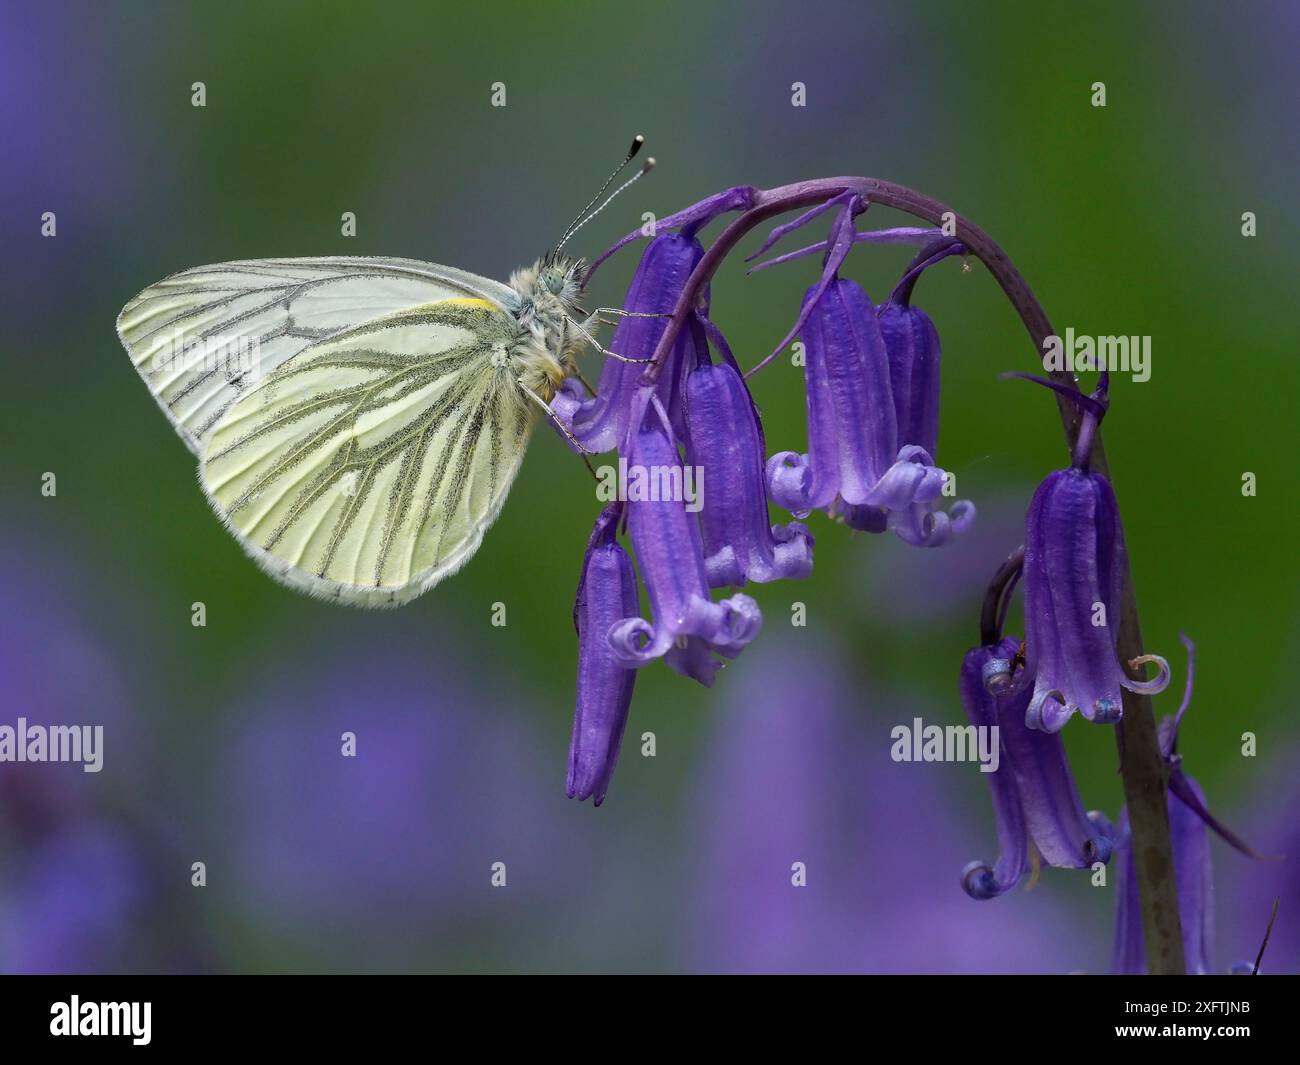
{"points": [[606, 595], [1074, 551], [681, 552], [912, 344], [852, 432], [725, 442], [605, 421], [689, 628], [872, 429], [1036, 802]]}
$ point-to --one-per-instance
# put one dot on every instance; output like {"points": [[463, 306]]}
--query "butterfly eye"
{"points": [[554, 282]]}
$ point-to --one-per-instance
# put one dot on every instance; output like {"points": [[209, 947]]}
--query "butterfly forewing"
{"points": [[203, 336], [368, 465]]}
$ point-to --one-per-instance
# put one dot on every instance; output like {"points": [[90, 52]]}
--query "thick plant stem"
{"points": [[1143, 770]]}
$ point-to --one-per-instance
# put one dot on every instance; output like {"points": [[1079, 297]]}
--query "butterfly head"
{"points": [[561, 277], [549, 290]]}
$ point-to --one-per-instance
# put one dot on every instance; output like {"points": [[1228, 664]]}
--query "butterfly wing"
{"points": [[201, 337], [367, 466]]}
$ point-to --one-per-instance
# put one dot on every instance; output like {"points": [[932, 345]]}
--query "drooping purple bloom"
{"points": [[607, 594], [1035, 800], [650, 410], [852, 433], [855, 466], [914, 351], [605, 421], [912, 343], [1074, 552], [724, 442], [689, 628], [681, 552], [1189, 824]]}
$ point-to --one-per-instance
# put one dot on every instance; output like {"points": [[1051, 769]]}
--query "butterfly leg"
{"points": [[586, 334], [596, 314], [585, 452], [597, 317]]}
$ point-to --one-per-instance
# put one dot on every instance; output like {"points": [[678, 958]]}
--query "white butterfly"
{"points": [[358, 421]]}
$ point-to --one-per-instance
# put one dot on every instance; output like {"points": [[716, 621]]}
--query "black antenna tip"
{"points": [[637, 141], [648, 165]]}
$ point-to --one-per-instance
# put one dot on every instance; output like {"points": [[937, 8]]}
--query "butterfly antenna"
{"points": [[583, 217]]}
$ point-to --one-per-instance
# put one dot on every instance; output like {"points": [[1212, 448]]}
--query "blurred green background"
{"points": [[1125, 219]]}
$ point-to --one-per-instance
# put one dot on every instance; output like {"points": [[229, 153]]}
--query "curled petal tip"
{"points": [[1104, 826], [996, 676], [1098, 849], [1149, 687], [962, 515], [788, 476], [633, 642], [979, 882], [1048, 711]]}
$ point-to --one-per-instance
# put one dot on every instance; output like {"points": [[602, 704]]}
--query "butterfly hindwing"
{"points": [[367, 466], [201, 336]]}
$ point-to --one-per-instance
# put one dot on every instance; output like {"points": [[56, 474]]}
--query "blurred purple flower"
{"points": [[1189, 824], [1249, 889], [76, 146], [393, 848], [935, 587], [82, 874], [75, 901], [57, 670], [799, 771]]}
